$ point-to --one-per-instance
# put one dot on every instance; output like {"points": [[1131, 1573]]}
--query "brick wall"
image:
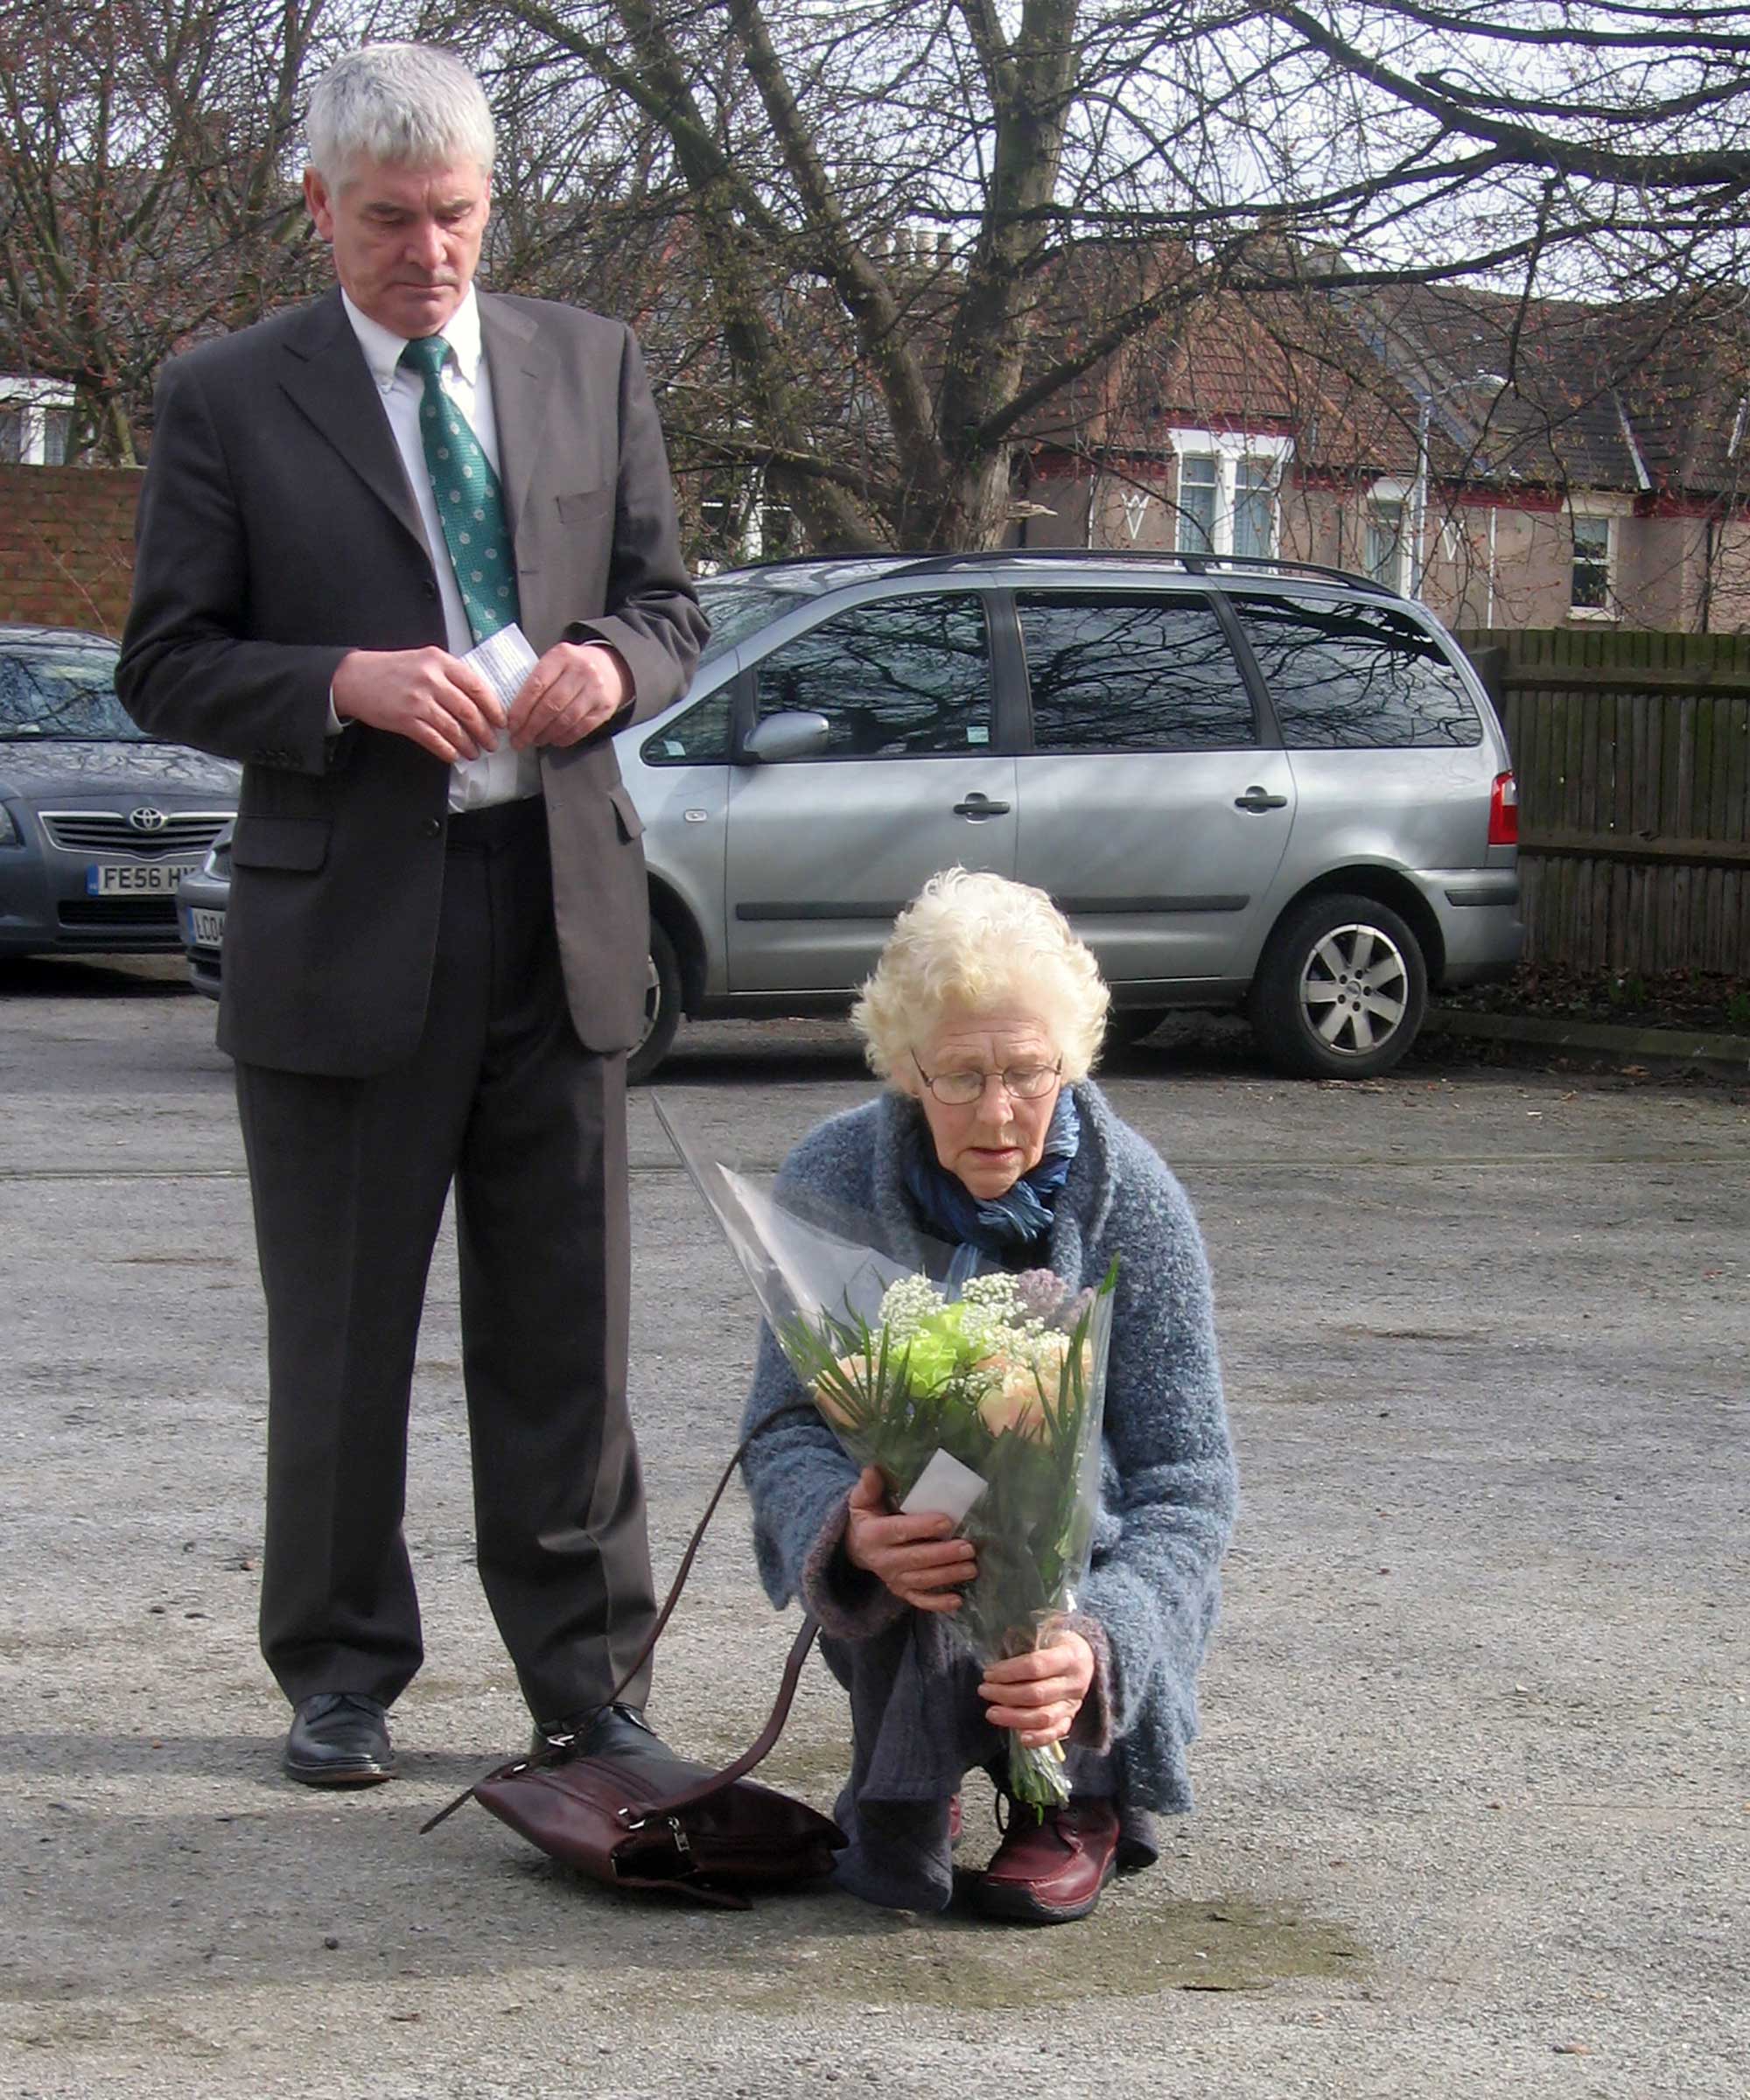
{"points": [[66, 545]]}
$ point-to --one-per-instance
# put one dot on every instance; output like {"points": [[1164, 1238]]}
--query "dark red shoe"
{"points": [[1050, 1872]]}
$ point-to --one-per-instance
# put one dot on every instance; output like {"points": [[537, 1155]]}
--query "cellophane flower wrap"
{"points": [[963, 1388]]}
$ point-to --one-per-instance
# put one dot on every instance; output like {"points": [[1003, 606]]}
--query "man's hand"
{"points": [[576, 687], [914, 1556], [428, 696], [1039, 1695]]}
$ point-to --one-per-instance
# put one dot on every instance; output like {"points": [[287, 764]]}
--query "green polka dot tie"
{"points": [[469, 502]]}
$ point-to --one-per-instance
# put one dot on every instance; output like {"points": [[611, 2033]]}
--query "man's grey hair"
{"points": [[404, 105]]}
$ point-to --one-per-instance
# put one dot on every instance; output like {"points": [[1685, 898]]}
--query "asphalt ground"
{"points": [[1475, 1781]]}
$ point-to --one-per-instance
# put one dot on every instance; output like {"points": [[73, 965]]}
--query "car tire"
{"points": [[661, 1009], [1129, 1024], [1341, 990]]}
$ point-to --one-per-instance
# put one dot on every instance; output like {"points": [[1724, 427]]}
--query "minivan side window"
{"points": [[1131, 673], [1353, 675], [697, 737], [905, 678]]}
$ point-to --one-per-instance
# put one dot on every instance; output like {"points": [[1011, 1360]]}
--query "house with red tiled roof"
{"points": [[1515, 462]]}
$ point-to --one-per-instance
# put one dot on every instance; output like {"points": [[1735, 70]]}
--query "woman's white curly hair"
{"points": [[971, 943]]}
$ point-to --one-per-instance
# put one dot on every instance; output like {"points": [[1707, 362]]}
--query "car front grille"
{"points": [[118, 912], [188, 833]]}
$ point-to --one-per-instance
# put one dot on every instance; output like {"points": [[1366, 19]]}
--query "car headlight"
{"points": [[9, 833]]}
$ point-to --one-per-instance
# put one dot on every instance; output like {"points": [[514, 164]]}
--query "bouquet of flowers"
{"points": [[977, 1396]]}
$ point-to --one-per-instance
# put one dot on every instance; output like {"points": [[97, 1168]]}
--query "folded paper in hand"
{"points": [[504, 660]]}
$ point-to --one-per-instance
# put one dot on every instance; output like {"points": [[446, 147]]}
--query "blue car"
{"points": [[98, 823]]}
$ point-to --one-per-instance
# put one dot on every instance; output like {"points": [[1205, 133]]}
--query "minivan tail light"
{"points": [[1503, 811]]}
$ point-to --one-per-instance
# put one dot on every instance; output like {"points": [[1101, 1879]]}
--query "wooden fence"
{"points": [[1633, 756]]}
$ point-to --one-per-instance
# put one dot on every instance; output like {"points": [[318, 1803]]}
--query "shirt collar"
{"points": [[383, 348]]}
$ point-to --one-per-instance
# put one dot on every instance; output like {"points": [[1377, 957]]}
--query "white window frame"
{"points": [[1228, 448], [1592, 512], [33, 400]]}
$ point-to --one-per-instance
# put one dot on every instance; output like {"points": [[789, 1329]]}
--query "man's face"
{"points": [[406, 241]]}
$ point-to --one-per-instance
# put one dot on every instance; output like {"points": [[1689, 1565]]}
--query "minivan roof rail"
{"points": [[1190, 563]]}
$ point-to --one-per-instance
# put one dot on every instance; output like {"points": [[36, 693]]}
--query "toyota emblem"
{"points": [[146, 820]]}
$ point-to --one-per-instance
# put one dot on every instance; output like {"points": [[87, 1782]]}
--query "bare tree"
{"points": [[146, 194], [884, 243], [882, 250]]}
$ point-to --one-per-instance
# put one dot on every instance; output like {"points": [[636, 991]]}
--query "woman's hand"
{"points": [[1039, 1695], [916, 1556]]}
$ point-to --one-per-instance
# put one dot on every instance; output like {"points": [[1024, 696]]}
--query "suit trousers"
{"points": [[349, 1179]]}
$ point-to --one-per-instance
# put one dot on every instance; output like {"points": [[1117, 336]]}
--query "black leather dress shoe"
{"points": [[339, 1739], [616, 1732]]}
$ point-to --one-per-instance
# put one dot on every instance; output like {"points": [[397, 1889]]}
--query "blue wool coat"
{"points": [[1168, 1487]]}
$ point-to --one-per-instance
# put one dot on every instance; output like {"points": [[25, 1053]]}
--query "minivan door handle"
{"points": [[1257, 802], [977, 805]]}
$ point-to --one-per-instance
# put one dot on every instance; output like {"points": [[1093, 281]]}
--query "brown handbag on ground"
{"points": [[651, 1820]]}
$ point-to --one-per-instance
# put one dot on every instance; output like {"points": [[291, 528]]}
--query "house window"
{"points": [[1197, 486], [1254, 506], [1228, 482], [1593, 539], [1387, 545], [36, 422]]}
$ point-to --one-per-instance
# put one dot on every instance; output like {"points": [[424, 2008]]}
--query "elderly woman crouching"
{"points": [[983, 1016]]}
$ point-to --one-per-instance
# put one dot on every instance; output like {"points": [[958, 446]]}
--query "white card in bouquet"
{"points": [[504, 660], [945, 1487]]}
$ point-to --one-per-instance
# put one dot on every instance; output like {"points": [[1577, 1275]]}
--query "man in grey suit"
{"points": [[435, 956]]}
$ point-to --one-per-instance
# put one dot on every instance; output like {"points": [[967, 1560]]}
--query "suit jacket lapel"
{"points": [[324, 371], [521, 362]]}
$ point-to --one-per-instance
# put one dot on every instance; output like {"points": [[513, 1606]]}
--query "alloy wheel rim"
{"points": [[1355, 990]]}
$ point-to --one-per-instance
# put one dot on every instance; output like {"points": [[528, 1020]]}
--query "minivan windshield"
{"points": [[61, 689]]}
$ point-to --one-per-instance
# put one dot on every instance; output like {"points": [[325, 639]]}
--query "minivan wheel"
{"points": [[1340, 991], [661, 1009]]}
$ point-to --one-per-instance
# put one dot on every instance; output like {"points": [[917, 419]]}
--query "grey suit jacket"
{"points": [[275, 533]]}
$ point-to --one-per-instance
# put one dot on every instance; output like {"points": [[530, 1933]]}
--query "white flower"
{"points": [[996, 1291], [906, 1306]]}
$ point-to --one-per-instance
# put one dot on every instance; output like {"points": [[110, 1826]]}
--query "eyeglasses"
{"points": [[961, 1089]]}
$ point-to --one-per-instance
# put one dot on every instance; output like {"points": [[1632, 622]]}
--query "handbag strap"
{"points": [[558, 1749]]}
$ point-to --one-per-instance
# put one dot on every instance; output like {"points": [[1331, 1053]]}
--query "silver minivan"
{"points": [[1249, 783]]}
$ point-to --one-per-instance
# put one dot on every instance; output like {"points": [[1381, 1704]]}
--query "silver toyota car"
{"points": [[1250, 784], [98, 823]]}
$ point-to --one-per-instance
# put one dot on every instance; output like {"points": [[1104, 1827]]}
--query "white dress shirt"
{"points": [[495, 776]]}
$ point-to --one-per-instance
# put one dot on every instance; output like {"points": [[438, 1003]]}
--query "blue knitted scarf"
{"points": [[1008, 1224]]}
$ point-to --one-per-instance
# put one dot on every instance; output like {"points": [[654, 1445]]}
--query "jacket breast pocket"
{"points": [[585, 507], [295, 844]]}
